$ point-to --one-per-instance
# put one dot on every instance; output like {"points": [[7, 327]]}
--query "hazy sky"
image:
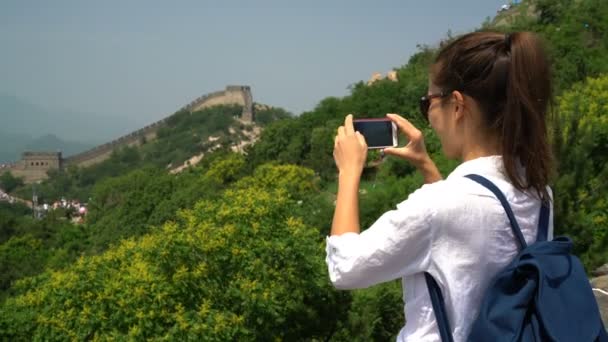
{"points": [[145, 59]]}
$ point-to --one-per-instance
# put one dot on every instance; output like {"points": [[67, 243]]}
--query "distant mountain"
{"points": [[20, 117], [51, 142], [26, 126], [12, 145]]}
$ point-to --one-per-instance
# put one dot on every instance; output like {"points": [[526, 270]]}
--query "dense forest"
{"points": [[233, 248]]}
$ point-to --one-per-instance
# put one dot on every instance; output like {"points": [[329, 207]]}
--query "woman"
{"points": [[487, 100]]}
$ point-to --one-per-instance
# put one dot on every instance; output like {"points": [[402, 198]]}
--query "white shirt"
{"points": [[456, 230]]}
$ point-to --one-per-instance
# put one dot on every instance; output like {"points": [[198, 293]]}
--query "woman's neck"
{"points": [[478, 150]]}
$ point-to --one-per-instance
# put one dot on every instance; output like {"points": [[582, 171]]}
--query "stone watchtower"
{"points": [[33, 166], [232, 95], [244, 97]]}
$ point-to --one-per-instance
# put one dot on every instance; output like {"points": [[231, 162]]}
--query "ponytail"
{"points": [[524, 130]]}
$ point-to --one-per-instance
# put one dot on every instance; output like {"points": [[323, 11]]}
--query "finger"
{"points": [[389, 150], [399, 152], [348, 125], [405, 126], [361, 139], [341, 131]]}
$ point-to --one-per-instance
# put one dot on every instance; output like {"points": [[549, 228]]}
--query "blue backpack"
{"points": [[542, 295]]}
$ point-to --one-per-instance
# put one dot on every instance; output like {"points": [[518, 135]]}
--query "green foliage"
{"points": [[216, 274], [321, 150], [267, 115], [186, 133], [20, 256], [77, 183], [124, 206], [281, 141], [121, 207], [28, 246], [297, 181], [226, 170], [373, 315], [129, 205], [576, 35], [308, 139], [11, 217], [581, 144], [8, 182], [383, 195]]}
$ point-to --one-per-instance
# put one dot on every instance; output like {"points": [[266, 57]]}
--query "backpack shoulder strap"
{"points": [[505, 204], [433, 288], [439, 308], [543, 223]]}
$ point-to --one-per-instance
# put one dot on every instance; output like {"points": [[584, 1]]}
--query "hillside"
{"points": [[526, 11], [181, 141]]}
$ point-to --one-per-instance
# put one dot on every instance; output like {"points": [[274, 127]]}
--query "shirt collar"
{"points": [[490, 166]]}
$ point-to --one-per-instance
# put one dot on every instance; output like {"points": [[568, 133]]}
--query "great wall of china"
{"points": [[33, 166]]}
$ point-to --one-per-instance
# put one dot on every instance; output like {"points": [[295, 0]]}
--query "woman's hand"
{"points": [[415, 150], [350, 149], [350, 154]]}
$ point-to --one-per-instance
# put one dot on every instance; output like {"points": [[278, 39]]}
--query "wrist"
{"points": [[425, 163], [429, 170], [349, 176]]}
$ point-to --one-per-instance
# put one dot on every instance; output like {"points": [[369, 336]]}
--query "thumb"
{"points": [[402, 152]]}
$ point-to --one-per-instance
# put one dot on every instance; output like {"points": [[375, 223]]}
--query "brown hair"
{"points": [[509, 77]]}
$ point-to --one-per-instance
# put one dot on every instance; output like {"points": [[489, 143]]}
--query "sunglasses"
{"points": [[425, 103]]}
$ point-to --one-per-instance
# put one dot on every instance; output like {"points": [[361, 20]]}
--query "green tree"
{"points": [[122, 206], [236, 267], [265, 116], [20, 256], [11, 219], [373, 315], [581, 143], [8, 182], [321, 150]]}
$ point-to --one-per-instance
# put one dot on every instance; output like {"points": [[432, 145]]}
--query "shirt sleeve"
{"points": [[396, 245]]}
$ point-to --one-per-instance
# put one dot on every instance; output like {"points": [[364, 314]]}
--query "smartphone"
{"points": [[378, 133]]}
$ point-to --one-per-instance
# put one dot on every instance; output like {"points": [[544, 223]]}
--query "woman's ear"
{"points": [[458, 105]]}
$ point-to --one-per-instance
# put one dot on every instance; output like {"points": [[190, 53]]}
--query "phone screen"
{"points": [[377, 132]]}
